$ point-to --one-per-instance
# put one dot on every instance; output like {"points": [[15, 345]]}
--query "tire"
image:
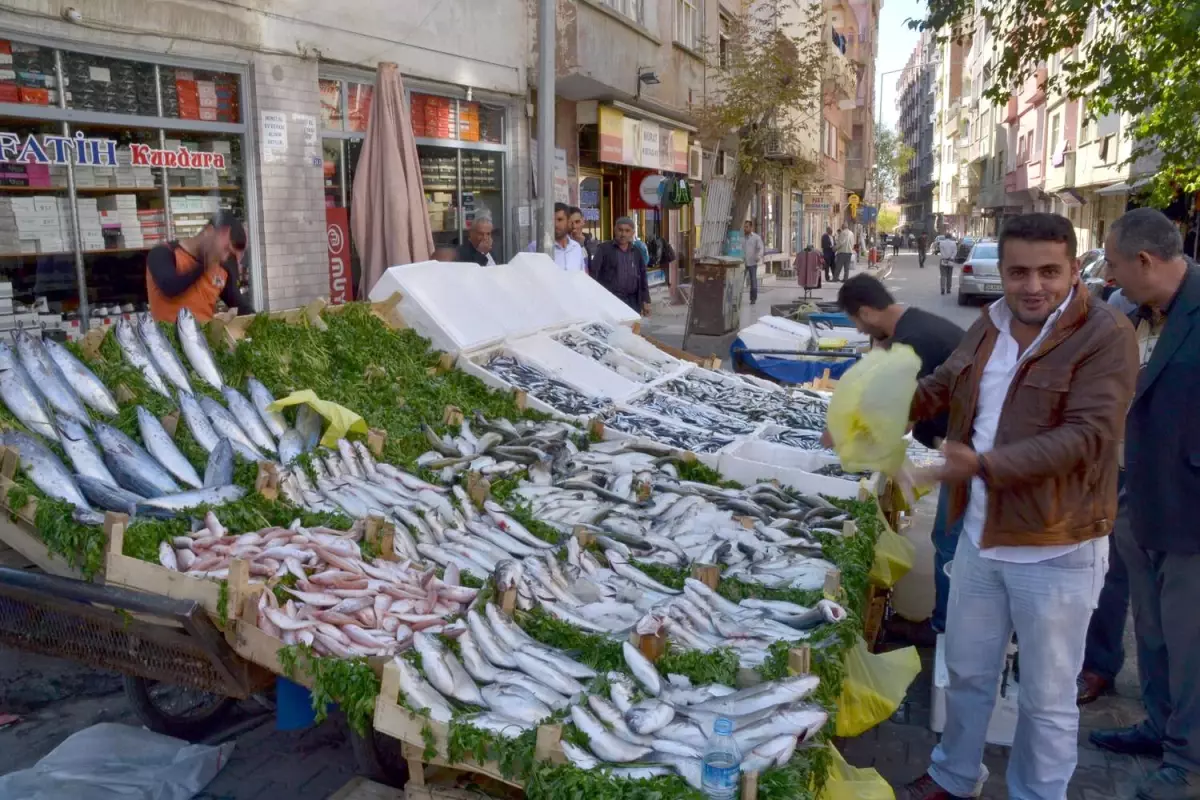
{"points": [[377, 758], [204, 714], [963, 300]]}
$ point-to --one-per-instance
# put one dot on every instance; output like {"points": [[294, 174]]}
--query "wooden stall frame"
{"points": [[133, 573]]}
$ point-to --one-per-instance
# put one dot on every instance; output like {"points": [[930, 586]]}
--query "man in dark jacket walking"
{"points": [[620, 268], [828, 253]]}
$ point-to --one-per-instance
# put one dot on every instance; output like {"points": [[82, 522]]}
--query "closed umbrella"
{"points": [[390, 223]]}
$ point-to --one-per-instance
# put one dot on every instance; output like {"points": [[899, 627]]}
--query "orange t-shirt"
{"points": [[200, 297]]}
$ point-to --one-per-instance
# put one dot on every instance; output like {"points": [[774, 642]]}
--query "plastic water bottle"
{"points": [[722, 763]]}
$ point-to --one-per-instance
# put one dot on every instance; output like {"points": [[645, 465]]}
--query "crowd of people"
{"points": [[1062, 419]]}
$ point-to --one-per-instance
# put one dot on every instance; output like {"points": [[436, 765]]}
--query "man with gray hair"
{"points": [[621, 268], [1161, 544], [477, 249]]}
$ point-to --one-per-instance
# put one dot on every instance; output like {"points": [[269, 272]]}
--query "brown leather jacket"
{"points": [[1052, 475]]}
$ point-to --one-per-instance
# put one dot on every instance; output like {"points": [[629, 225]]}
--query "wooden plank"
{"points": [[674, 351], [18, 537], [708, 574], [133, 573]]}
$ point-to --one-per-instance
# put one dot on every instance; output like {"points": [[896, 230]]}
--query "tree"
{"points": [[1125, 56], [770, 94], [891, 158], [888, 220]]}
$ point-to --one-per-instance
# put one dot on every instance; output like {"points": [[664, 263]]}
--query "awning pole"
{"points": [[545, 121]]}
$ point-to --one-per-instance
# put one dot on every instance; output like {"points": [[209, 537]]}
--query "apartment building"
{"points": [[917, 113], [950, 197]]}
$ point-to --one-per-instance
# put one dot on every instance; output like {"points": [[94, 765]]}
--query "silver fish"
{"points": [[198, 423], [90, 389], [48, 378], [195, 347], [474, 662], [160, 445], [227, 426], [310, 424], [649, 716], [291, 446], [107, 496], [505, 629], [248, 419], [622, 567], [515, 702], [135, 354], [773, 751], [163, 354], [642, 669], [44, 468], [561, 662], [21, 396], [803, 721], [173, 503], [757, 698], [444, 670], [539, 690], [419, 694], [621, 689], [489, 645], [578, 756], [134, 468], [262, 398], [604, 744], [490, 721], [219, 470], [81, 451], [547, 674]]}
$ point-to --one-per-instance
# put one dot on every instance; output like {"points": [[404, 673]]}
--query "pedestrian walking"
{"points": [[896, 244], [1161, 544], [752, 253], [620, 267], [874, 312], [947, 250], [1037, 393], [922, 249], [829, 252], [845, 252]]}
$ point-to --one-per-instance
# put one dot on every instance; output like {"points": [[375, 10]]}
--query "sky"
{"points": [[896, 43]]}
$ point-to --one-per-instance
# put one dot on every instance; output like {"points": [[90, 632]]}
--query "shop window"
{"points": [[198, 94], [332, 115], [358, 106]]}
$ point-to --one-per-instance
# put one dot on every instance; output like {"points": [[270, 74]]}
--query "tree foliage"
{"points": [[891, 157], [1123, 56], [888, 220], [769, 74]]}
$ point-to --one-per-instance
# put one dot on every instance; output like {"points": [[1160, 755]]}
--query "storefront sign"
{"points": [[274, 136], [650, 156], [589, 200], [78, 149], [643, 189], [341, 277], [639, 143], [611, 133]]}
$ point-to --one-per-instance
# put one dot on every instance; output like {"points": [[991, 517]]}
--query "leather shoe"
{"points": [[926, 788], [1170, 782], [1091, 686], [1131, 741]]}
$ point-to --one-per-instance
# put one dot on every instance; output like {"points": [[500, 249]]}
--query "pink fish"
{"points": [[316, 598]]}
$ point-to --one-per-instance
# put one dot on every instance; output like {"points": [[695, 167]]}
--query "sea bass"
{"points": [[163, 354], [262, 398], [44, 468], [607, 746], [162, 447], [198, 422], [195, 347], [22, 397], [90, 389], [136, 354], [227, 426], [82, 452]]}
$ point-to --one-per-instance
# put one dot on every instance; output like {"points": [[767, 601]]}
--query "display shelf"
{"points": [[113, 250], [116, 189]]}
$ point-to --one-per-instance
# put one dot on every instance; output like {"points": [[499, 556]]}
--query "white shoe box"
{"points": [[1003, 724]]}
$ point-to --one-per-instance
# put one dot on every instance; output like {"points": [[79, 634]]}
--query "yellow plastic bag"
{"points": [[853, 783], [341, 419], [894, 557], [874, 687], [868, 414]]}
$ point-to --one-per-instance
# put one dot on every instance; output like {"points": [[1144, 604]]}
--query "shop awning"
{"points": [[1125, 187], [1071, 198]]}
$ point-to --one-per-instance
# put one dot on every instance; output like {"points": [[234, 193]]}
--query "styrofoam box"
{"points": [[449, 304], [752, 461], [1003, 724], [577, 294], [472, 365], [708, 459], [755, 428], [574, 369]]}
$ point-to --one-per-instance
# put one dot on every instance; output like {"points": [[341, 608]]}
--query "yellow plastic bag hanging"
{"points": [[868, 414], [341, 419], [894, 557], [845, 782], [874, 687]]}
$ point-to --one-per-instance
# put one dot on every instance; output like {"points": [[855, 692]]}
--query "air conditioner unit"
{"points": [[695, 163], [729, 166]]}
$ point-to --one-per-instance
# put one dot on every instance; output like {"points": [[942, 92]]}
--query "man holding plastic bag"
{"points": [[1037, 393]]}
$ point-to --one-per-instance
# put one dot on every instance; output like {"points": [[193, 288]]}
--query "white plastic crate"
{"points": [[575, 369]]}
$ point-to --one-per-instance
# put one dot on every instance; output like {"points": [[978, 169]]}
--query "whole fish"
{"points": [[44, 468], [649, 716], [134, 468], [773, 751], [162, 447], [48, 378], [198, 423], [621, 689], [21, 396], [607, 746], [757, 698], [622, 567], [578, 756], [491, 721], [642, 669], [505, 629], [82, 452], [547, 674], [170, 504], [515, 702], [291, 446], [419, 694], [538, 689], [195, 347], [445, 672], [248, 419], [803, 721], [136, 354], [108, 496], [262, 398], [219, 470], [488, 643], [310, 424], [227, 426], [476, 665], [90, 389], [163, 354], [561, 662]]}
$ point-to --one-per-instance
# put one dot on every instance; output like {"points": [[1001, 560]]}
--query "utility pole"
{"points": [[545, 121]]}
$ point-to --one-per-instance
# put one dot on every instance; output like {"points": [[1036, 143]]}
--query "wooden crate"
{"points": [[18, 529]]}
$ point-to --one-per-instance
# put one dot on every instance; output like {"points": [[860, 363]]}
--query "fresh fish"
{"points": [[515, 702], [664, 405], [163, 353], [505, 629], [48, 378], [489, 645], [291, 446], [262, 398], [134, 468], [225, 425], [545, 388], [162, 447], [642, 669], [170, 504], [108, 496], [621, 690], [607, 746], [473, 660], [219, 470], [649, 716], [248, 419], [198, 423], [136, 354], [310, 424], [578, 756], [444, 670], [757, 698], [539, 690], [44, 468], [90, 389], [803, 721], [21, 396], [561, 662], [82, 453], [490, 721], [626, 570], [685, 732], [771, 752], [419, 694], [547, 674], [665, 431], [195, 347], [612, 358]]}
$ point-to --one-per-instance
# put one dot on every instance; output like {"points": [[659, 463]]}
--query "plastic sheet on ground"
{"points": [[868, 414], [341, 419], [118, 762], [874, 686], [894, 557], [788, 370], [853, 783]]}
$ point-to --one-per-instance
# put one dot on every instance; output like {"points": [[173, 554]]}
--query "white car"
{"points": [[980, 275]]}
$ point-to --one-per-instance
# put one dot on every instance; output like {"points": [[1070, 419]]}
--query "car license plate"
{"points": [[991, 287]]}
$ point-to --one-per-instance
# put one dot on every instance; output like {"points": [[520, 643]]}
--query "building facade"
{"points": [[916, 123]]}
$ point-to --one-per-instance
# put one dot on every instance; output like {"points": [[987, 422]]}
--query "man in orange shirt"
{"points": [[194, 273]]}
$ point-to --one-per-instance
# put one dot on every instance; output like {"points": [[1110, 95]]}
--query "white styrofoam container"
{"points": [[638, 347], [593, 301], [708, 459], [752, 461], [574, 369], [533, 293], [612, 355], [803, 330], [451, 304], [752, 428], [1002, 726], [472, 364], [758, 449]]}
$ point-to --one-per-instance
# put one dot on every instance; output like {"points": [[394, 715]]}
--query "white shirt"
{"points": [[845, 241], [993, 388], [570, 258], [948, 249], [752, 249]]}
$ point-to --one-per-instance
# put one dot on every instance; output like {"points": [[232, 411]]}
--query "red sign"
{"points": [[337, 234], [144, 156], [643, 187]]}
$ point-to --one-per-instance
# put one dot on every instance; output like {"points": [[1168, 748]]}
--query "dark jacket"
{"points": [[1162, 432], [1052, 475], [467, 254], [607, 268], [827, 249]]}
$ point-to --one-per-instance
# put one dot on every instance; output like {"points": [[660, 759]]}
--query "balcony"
{"points": [[1034, 174], [839, 71], [1011, 111], [1061, 176]]}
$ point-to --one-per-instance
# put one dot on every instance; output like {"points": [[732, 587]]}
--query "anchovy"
{"points": [[160, 445], [48, 378], [619, 362], [660, 430], [135, 354], [195, 347], [163, 354], [696, 415], [44, 468], [133, 467], [91, 390], [262, 398], [21, 396], [549, 390], [82, 452], [219, 470]]}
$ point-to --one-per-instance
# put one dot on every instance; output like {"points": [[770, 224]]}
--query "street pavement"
{"points": [[55, 698]]}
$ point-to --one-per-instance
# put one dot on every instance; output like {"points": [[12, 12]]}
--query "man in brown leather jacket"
{"points": [[1037, 393]]}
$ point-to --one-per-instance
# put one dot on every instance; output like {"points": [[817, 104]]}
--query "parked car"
{"points": [[980, 276], [933, 246], [1093, 272], [964, 248]]}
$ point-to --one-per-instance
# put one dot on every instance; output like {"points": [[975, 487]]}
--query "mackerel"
{"points": [[91, 390], [163, 354], [219, 470], [198, 423], [224, 424], [132, 466], [108, 496]]}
